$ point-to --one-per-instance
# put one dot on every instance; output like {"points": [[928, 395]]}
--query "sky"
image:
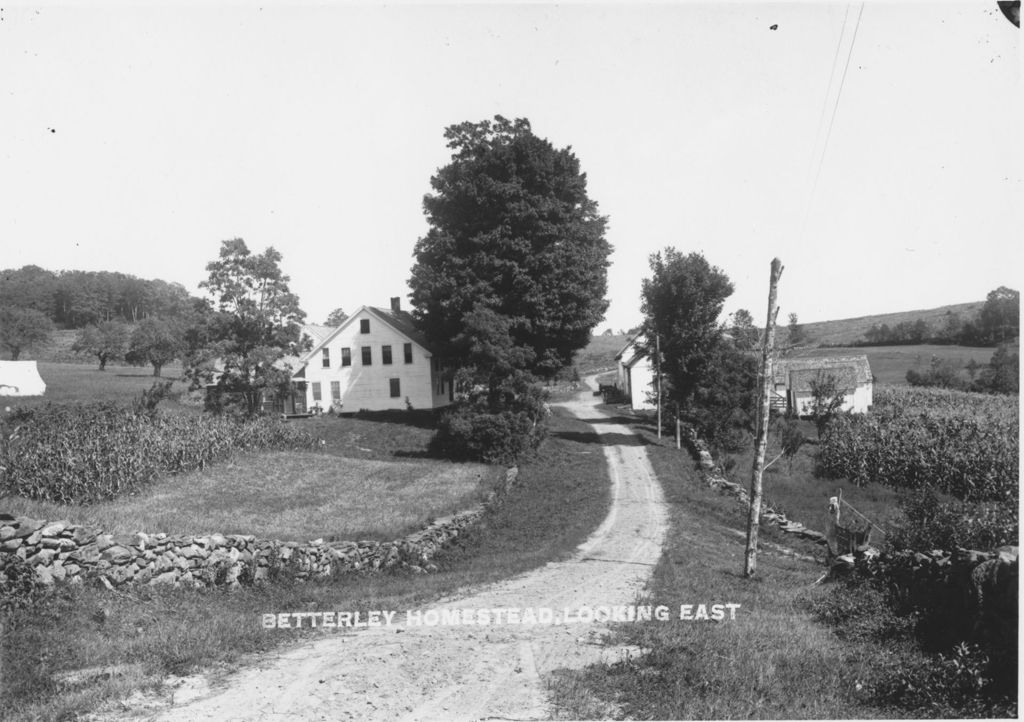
{"points": [[873, 147]]}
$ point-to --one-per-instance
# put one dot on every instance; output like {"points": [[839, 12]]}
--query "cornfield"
{"points": [[962, 444], [81, 453]]}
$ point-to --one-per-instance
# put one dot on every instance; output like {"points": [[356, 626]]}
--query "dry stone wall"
{"points": [[61, 551]]}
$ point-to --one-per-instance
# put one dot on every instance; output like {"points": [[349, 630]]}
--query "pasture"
{"points": [[75, 382], [889, 364]]}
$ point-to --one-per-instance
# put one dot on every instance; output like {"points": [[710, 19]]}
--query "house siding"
{"points": [[368, 386]]}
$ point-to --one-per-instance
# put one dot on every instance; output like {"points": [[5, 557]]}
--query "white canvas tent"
{"points": [[20, 378]]}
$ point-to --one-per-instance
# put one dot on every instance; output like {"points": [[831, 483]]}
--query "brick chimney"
{"points": [[396, 303]]}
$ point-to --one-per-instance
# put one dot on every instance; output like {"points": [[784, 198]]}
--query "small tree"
{"points": [[746, 336], [107, 341], [336, 317], [255, 323], [1002, 375], [22, 328], [797, 335], [154, 341], [827, 397]]}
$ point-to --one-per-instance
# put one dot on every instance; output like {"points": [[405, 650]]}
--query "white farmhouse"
{"points": [[375, 360], [635, 374]]}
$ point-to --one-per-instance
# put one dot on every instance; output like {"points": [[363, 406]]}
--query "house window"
{"points": [[385, 353], [407, 350], [336, 391], [364, 325], [326, 358], [316, 390], [367, 356], [346, 357], [440, 387], [396, 388]]}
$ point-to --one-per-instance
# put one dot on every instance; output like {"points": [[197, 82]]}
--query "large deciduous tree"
{"points": [[22, 328], [681, 303], [255, 322], [515, 249], [1000, 316], [154, 341], [107, 341]]}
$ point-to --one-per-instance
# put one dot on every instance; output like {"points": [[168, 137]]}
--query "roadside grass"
{"points": [[137, 637], [794, 489], [287, 495], [68, 382], [774, 661]]}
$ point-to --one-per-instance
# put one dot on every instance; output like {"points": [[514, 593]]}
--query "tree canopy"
{"points": [[107, 341], [254, 322], [516, 249], [22, 328], [681, 303], [156, 342]]}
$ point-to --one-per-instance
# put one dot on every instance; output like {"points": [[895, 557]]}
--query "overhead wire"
{"points": [[835, 107]]}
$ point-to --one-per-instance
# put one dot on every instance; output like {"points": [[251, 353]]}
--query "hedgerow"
{"points": [[965, 445], [86, 452]]}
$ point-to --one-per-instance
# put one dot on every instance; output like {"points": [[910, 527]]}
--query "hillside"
{"points": [[850, 330], [895, 360]]}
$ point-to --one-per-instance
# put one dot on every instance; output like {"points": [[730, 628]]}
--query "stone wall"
{"points": [[714, 478], [62, 551]]}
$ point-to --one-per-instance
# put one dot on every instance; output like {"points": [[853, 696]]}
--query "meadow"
{"points": [[889, 364]]}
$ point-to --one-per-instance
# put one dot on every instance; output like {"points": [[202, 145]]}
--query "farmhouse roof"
{"points": [[797, 373], [633, 351], [318, 332], [401, 321]]}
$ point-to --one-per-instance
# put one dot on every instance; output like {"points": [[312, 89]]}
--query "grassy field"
{"points": [[148, 633], [292, 496], [775, 661], [889, 364], [69, 382]]}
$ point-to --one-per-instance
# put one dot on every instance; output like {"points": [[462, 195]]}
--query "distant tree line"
{"points": [[996, 323], [76, 299]]}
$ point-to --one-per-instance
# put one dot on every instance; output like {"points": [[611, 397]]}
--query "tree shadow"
{"points": [[417, 418], [591, 437]]}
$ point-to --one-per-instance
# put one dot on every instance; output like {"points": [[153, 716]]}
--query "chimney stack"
{"points": [[396, 303]]}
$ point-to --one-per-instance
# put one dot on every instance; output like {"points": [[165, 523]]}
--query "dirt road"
{"points": [[468, 672]]}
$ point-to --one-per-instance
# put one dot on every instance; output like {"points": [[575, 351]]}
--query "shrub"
{"points": [[496, 426], [466, 433], [20, 587], [928, 523]]}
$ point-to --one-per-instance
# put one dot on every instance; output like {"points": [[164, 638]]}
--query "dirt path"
{"points": [[463, 672]]}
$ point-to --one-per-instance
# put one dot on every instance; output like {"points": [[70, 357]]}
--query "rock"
{"points": [[165, 578], [33, 538], [143, 576], [27, 526], [42, 557], [83, 536], [218, 540], [58, 571], [122, 574], [7, 532], [85, 555], [10, 545], [45, 575], [53, 529], [103, 541], [117, 555], [1007, 554]]}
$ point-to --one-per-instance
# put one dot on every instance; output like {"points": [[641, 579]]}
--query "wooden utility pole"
{"points": [[761, 440], [657, 346]]}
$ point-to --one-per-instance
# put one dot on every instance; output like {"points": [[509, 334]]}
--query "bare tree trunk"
{"points": [[761, 442], [657, 346]]}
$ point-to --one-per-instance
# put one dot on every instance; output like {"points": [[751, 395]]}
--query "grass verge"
{"points": [[137, 637], [773, 661]]}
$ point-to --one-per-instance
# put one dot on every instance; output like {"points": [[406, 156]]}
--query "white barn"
{"points": [[793, 377], [375, 360], [635, 374]]}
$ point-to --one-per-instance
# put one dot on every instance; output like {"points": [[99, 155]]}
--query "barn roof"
{"points": [[797, 373]]}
